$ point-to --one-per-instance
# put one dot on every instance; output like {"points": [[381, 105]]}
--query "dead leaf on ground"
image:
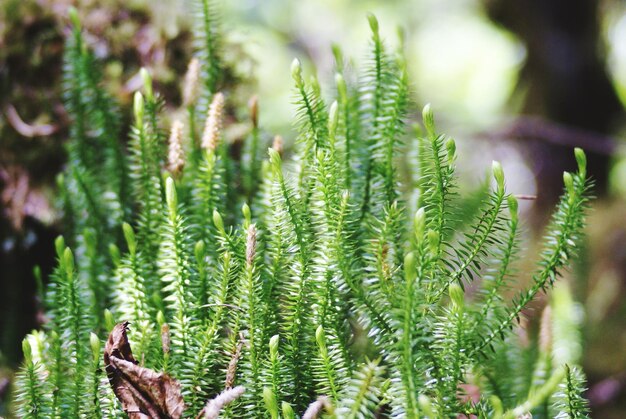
{"points": [[144, 393]]}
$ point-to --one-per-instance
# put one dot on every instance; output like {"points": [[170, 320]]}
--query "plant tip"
{"points": [[581, 159], [333, 117], [274, 343], [409, 266], [218, 221], [147, 83], [28, 351], [429, 120], [419, 223], [245, 211], [199, 250], [457, 295], [94, 342], [73, 15], [296, 71], [568, 180], [371, 18], [129, 235], [498, 174], [138, 107]]}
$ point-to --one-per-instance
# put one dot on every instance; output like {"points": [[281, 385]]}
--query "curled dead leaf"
{"points": [[144, 393]]}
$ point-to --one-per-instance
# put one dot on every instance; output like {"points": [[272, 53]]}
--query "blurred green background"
{"points": [[522, 82]]}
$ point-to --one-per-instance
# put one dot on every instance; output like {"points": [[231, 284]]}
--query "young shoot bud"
{"points": [[129, 235], [59, 246], [68, 261], [419, 224], [451, 149], [410, 272], [274, 346], [109, 320], [175, 154], [373, 24], [457, 296], [73, 15], [138, 108], [192, 79], [218, 222], [342, 89], [288, 412], [171, 197], [581, 159], [247, 215], [147, 84], [214, 121], [513, 208], [94, 342], [429, 121], [296, 73], [498, 175], [199, 251], [568, 180], [28, 351], [253, 106], [320, 338], [270, 402], [333, 118]]}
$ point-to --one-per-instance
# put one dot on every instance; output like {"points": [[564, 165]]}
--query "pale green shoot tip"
{"points": [[138, 108], [498, 174]]}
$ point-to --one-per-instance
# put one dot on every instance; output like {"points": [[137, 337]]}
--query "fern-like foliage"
{"points": [[289, 279], [570, 403]]}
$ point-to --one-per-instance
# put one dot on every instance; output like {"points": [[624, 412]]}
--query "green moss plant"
{"points": [[314, 281]]}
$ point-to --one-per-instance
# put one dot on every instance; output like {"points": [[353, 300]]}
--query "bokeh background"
{"points": [[520, 81]]}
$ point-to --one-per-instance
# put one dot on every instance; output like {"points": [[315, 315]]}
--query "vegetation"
{"points": [[328, 285]]}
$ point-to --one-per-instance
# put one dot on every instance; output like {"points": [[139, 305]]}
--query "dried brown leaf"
{"points": [[144, 393]]}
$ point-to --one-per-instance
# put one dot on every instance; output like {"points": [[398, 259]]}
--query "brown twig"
{"points": [[27, 130], [525, 197], [535, 128], [232, 365]]}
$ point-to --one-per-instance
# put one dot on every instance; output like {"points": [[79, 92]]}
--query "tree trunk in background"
{"points": [[564, 80]]}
